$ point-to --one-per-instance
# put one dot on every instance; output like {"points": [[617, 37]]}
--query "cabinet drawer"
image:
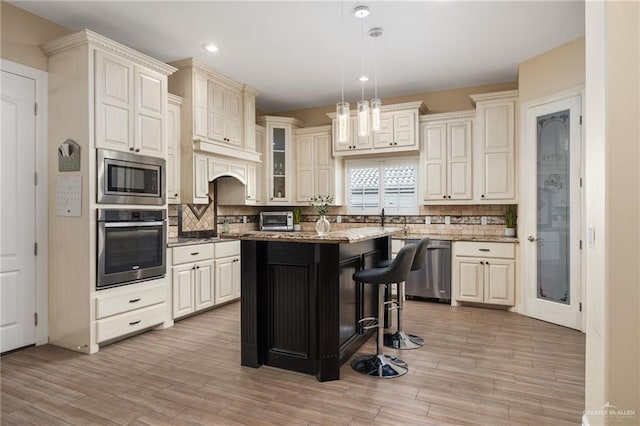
{"points": [[477, 249], [193, 253], [119, 325], [107, 306], [227, 248]]}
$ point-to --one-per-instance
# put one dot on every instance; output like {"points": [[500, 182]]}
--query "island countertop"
{"points": [[343, 236]]}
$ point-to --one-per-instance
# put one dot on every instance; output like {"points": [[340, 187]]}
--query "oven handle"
{"points": [[130, 224]]}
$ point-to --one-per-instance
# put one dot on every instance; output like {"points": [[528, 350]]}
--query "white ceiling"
{"points": [[291, 50]]}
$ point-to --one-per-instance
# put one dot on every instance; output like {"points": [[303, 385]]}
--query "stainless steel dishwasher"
{"points": [[434, 279]]}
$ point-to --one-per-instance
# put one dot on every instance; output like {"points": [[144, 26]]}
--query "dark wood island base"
{"points": [[300, 305]]}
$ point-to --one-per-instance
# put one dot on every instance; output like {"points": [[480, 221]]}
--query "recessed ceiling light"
{"points": [[210, 47], [361, 12], [363, 78]]}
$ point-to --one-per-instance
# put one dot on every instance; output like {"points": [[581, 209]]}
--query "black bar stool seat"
{"points": [[378, 364], [400, 339]]}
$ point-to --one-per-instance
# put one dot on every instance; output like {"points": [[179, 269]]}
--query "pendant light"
{"points": [[342, 107], [376, 103], [363, 106]]}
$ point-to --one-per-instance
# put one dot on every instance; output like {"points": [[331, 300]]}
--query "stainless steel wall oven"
{"points": [[131, 246]]}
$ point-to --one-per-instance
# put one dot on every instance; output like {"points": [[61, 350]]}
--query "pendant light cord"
{"points": [[375, 69], [362, 55], [342, 49]]}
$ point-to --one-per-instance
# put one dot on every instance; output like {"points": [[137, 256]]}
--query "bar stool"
{"points": [[381, 365], [400, 339]]}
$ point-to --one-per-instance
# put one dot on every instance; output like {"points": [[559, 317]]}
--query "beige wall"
{"points": [[552, 71], [22, 33], [613, 207], [442, 101]]}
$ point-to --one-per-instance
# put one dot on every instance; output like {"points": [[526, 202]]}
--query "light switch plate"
{"points": [[427, 220], [338, 219], [447, 220], [244, 219], [483, 220]]}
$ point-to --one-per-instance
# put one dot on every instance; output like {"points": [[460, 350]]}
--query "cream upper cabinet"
{"points": [[130, 106], [173, 149], [495, 139], [398, 132], [447, 157], [200, 181], [317, 171], [484, 273], [225, 113], [278, 159], [397, 129], [217, 120]]}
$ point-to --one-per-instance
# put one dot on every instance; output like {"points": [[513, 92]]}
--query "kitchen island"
{"points": [[300, 305]]}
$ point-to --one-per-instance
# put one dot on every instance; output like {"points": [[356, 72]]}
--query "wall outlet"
{"points": [[483, 220], [447, 220], [244, 219], [338, 219], [427, 220]]}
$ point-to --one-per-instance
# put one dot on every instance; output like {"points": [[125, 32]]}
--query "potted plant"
{"points": [[321, 206], [297, 216], [510, 218]]}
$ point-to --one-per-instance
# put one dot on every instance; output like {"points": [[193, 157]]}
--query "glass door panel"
{"points": [[553, 217]]}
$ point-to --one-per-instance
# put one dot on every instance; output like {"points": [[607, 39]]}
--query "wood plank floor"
{"points": [[479, 366]]}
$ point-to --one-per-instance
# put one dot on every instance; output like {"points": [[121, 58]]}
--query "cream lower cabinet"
{"points": [[227, 271], [484, 272], [123, 310], [173, 149], [193, 279]]}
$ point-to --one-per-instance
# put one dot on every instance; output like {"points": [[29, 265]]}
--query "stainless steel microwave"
{"points": [[125, 178], [276, 221]]}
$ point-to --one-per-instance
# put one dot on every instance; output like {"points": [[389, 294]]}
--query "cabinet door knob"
{"points": [[197, 267], [482, 196], [390, 143], [175, 195], [131, 149], [531, 238], [481, 262], [486, 263], [137, 149], [448, 196], [444, 196]]}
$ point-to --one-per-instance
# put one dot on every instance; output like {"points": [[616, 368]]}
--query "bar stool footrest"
{"points": [[368, 323]]}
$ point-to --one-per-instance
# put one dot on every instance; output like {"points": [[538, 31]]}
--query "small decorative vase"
{"points": [[510, 232], [297, 227], [322, 226]]}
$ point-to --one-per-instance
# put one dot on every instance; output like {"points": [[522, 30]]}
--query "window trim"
{"points": [[380, 163]]}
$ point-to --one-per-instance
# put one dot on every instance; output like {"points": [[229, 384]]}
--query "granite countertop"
{"points": [[455, 237], [344, 236], [182, 241]]}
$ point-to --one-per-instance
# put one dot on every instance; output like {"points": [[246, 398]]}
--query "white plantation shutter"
{"points": [[389, 184], [399, 183]]}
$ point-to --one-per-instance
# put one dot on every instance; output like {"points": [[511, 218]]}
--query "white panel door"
{"points": [[435, 161], [236, 277], [200, 105], [304, 168], [469, 274], [151, 102], [499, 281], [201, 180], [173, 154], [17, 231], [232, 108], [204, 284], [216, 111], [383, 138], [114, 102], [498, 151], [404, 125], [183, 288], [224, 279], [459, 144], [324, 176]]}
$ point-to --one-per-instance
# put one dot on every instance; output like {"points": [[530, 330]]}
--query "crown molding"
{"points": [[275, 119], [312, 130], [457, 115], [88, 37], [174, 99], [403, 106], [211, 147], [250, 90], [495, 96]]}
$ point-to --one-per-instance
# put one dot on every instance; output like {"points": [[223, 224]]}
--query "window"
{"points": [[391, 184]]}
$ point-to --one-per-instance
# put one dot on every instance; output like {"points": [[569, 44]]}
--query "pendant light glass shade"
{"points": [[342, 116], [363, 118], [376, 104]]}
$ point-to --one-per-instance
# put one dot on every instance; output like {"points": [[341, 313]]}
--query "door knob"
{"points": [[531, 238]]}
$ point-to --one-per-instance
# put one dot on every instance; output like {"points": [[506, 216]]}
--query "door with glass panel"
{"points": [[550, 213]]}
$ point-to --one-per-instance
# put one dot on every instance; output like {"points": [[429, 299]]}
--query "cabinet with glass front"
{"points": [[278, 157]]}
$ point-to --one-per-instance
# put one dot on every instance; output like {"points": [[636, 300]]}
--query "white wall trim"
{"points": [[41, 79]]}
